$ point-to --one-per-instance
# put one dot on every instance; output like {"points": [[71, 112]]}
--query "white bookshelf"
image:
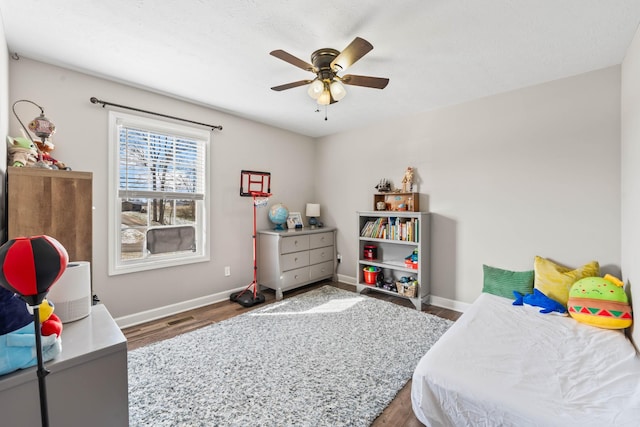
{"points": [[392, 248]]}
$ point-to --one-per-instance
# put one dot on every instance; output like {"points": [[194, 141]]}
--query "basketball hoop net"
{"points": [[260, 200]]}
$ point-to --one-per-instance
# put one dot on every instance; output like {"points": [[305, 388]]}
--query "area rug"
{"points": [[328, 357]]}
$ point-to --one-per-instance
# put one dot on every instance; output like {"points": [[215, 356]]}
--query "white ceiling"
{"points": [[216, 52]]}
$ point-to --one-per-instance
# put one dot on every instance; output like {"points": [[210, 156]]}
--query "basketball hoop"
{"points": [[253, 184]]}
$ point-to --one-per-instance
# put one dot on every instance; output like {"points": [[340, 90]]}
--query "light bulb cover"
{"points": [[325, 98], [337, 90], [315, 89]]}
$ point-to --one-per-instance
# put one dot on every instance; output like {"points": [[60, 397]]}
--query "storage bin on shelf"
{"points": [[371, 275], [407, 289]]}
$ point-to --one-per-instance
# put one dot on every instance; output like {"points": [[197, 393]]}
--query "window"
{"points": [[158, 194]]}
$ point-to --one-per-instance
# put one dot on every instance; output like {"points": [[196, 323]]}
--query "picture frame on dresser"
{"points": [[294, 220]]}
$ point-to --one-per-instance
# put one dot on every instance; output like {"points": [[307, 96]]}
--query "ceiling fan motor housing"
{"points": [[321, 60]]}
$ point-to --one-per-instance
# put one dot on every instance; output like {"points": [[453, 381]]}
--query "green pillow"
{"points": [[504, 282]]}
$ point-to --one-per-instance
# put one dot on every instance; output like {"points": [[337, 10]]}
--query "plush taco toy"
{"points": [[601, 302]]}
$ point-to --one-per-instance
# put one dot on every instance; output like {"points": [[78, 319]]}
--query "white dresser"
{"points": [[288, 259]]}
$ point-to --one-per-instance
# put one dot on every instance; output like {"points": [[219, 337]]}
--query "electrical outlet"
{"points": [[339, 257], [227, 271]]}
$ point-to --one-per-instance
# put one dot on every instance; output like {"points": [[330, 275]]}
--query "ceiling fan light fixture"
{"points": [[315, 89], [325, 98], [337, 90]]}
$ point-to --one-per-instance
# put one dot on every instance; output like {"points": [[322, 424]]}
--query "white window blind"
{"points": [[159, 165]]}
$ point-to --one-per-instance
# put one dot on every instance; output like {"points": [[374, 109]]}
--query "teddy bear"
{"points": [[17, 336]]}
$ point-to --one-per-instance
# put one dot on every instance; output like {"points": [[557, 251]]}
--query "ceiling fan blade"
{"points": [[357, 49], [291, 85], [366, 81], [287, 57]]}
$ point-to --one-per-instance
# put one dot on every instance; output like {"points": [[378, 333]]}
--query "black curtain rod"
{"points": [[95, 100]]}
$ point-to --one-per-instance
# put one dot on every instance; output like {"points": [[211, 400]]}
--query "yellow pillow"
{"points": [[555, 280]]}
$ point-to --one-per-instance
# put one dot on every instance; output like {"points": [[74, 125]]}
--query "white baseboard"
{"points": [[170, 310], [349, 280], [449, 303]]}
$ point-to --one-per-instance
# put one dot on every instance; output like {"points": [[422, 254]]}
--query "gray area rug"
{"points": [[328, 357]]}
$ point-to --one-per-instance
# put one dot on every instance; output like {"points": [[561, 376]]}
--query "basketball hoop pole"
{"points": [[238, 296]]}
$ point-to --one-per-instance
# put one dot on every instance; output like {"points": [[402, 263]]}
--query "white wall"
{"points": [[4, 121], [81, 142], [529, 172], [630, 137]]}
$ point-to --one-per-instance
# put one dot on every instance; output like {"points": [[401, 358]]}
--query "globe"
{"points": [[278, 215]]}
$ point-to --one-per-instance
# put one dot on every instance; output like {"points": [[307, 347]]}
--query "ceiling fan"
{"points": [[326, 63]]}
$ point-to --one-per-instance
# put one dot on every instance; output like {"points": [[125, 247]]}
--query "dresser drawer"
{"points": [[295, 260], [320, 240], [319, 255], [321, 270], [295, 277], [294, 244]]}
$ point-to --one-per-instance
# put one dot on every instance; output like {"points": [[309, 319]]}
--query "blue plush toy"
{"points": [[17, 335], [538, 299]]}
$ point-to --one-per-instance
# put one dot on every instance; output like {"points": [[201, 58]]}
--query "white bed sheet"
{"points": [[505, 365]]}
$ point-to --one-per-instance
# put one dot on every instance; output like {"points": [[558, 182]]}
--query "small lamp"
{"points": [[313, 211], [41, 126]]}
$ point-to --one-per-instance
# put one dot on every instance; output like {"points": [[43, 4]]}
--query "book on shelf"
{"points": [[392, 228]]}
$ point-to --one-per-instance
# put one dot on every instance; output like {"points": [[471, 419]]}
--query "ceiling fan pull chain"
{"points": [[325, 113]]}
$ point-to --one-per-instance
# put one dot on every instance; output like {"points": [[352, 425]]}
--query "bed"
{"points": [[506, 365]]}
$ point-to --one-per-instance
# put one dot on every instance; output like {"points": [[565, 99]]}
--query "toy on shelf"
{"points": [[384, 186], [407, 180], [411, 261], [21, 151]]}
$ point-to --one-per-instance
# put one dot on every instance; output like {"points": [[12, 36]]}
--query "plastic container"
{"points": [[370, 252], [371, 275]]}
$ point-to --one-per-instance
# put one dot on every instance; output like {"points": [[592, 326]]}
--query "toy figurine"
{"points": [[407, 180], [383, 186], [22, 152]]}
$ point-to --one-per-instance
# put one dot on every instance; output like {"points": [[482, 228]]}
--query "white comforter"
{"points": [[505, 365]]}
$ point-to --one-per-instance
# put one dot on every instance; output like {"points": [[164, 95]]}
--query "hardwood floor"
{"points": [[399, 411]]}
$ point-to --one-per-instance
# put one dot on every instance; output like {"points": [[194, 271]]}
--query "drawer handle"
{"points": [[295, 259], [295, 277], [295, 242]]}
